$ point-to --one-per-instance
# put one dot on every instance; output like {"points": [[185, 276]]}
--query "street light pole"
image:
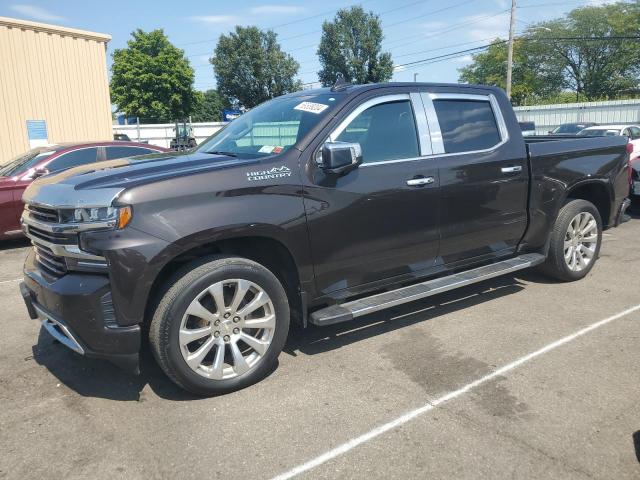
{"points": [[415, 77], [510, 48]]}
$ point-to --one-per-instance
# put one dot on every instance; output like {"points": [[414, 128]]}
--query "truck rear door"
{"points": [[483, 174]]}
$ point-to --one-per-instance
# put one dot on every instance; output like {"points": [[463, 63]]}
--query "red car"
{"points": [[20, 172]]}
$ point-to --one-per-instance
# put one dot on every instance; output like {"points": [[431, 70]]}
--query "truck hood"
{"points": [[98, 184]]}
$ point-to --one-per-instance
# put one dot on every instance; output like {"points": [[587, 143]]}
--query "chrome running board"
{"points": [[363, 306]]}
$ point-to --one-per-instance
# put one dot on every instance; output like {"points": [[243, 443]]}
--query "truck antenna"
{"points": [[340, 84]]}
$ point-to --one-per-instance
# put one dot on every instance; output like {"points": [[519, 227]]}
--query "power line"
{"points": [[423, 37], [385, 12], [311, 17], [444, 47], [433, 34], [531, 39], [444, 9], [314, 44], [274, 27], [440, 32], [433, 12], [451, 28]]}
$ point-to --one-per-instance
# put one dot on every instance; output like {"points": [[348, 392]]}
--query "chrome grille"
{"points": [[59, 238], [43, 214], [48, 261]]}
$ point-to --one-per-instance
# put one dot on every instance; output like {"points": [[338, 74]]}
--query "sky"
{"points": [[414, 30]]}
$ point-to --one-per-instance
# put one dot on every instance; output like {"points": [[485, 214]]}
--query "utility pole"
{"points": [[415, 77], [512, 27]]}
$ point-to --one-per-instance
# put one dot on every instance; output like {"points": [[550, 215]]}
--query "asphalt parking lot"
{"points": [[571, 410]]}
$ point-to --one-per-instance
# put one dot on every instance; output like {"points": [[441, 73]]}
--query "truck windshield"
{"points": [[270, 128]]}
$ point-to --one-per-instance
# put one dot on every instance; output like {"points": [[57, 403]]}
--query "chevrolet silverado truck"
{"points": [[316, 207]]}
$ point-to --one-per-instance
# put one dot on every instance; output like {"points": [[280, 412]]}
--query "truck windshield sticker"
{"points": [[311, 107], [266, 149], [275, 172]]}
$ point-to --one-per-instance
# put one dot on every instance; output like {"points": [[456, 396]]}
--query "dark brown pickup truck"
{"points": [[317, 207]]}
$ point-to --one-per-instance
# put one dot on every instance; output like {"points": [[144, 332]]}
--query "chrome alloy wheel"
{"points": [[581, 241], [227, 329]]}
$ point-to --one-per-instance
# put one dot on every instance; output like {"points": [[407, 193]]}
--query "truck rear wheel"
{"points": [[575, 241], [220, 326]]}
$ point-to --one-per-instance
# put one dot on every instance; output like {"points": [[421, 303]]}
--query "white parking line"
{"points": [[10, 281], [407, 417]]}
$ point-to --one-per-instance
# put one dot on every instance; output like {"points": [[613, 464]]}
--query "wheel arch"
{"points": [[266, 250], [596, 192]]}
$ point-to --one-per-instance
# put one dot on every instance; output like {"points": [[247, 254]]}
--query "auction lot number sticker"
{"points": [[311, 107]]}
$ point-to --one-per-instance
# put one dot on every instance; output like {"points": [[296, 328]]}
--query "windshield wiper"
{"points": [[219, 152]]}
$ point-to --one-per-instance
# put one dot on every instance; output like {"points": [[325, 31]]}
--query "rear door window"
{"points": [[467, 125], [73, 159]]}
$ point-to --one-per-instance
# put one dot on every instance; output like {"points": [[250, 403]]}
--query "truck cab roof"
{"points": [[354, 89]]}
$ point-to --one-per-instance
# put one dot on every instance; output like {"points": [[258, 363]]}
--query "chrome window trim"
{"points": [[397, 160], [422, 126], [420, 116], [434, 123], [361, 108], [437, 142]]}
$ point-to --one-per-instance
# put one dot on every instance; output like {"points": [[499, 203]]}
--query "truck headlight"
{"points": [[118, 217]]}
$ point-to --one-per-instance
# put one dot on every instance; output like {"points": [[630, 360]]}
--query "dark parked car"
{"points": [[528, 128], [571, 128], [20, 172], [316, 207], [121, 137]]}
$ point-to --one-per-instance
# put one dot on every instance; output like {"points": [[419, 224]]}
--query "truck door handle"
{"points": [[516, 169], [418, 182]]}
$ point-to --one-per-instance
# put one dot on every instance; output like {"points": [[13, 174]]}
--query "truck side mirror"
{"points": [[339, 158]]}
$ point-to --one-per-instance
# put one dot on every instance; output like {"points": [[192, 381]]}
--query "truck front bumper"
{"points": [[76, 310]]}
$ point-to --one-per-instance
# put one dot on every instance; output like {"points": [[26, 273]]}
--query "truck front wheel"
{"points": [[220, 326], [575, 241]]}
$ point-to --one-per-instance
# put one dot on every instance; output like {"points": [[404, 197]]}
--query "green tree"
{"points": [[490, 68], [351, 45], [581, 53], [152, 79], [250, 67], [210, 108], [585, 46]]}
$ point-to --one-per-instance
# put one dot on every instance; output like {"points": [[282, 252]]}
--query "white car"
{"points": [[631, 131]]}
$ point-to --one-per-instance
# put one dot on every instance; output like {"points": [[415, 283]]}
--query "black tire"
{"points": [[182, 290], [555, 265]]}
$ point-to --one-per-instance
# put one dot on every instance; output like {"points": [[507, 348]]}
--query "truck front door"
{"points": [[380, 220]]}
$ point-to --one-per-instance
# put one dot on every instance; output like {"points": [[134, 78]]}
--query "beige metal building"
{"points": [[53, 86]]}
